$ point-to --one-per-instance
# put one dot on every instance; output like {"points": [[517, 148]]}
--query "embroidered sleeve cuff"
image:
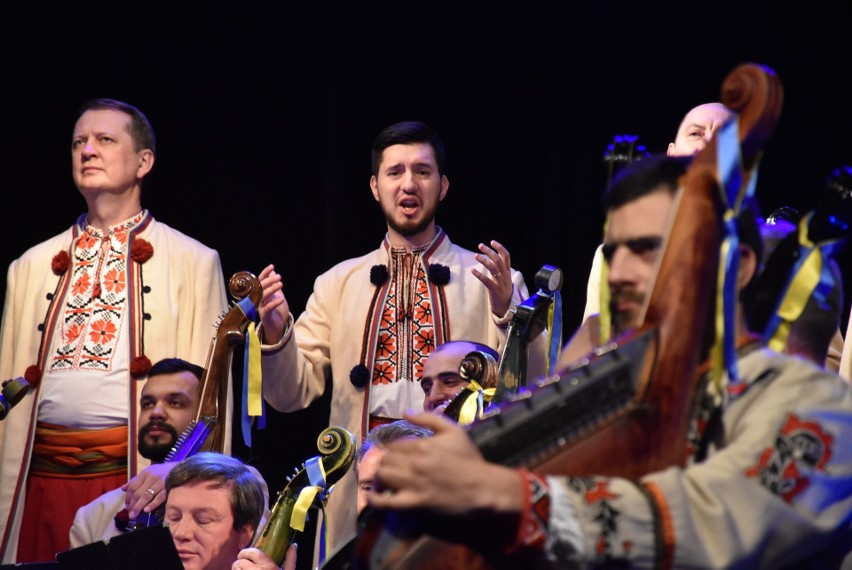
{"points": [[285, 337], [532, 528]]}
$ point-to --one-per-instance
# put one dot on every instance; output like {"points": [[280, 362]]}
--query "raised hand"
{"points": [[498, 280], [274, 309]]}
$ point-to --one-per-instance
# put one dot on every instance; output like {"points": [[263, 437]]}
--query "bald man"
{"points": [[696, 129]]}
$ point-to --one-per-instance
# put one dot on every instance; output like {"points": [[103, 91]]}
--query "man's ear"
{"points": [[670, 149], [748, 267], [375, 187], [445, 185], [146, 163], [245, 535]]}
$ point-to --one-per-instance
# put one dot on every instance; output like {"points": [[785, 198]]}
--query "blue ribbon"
{"points": [[730, 166], [316, 476], [826, 277], [555, 332]]}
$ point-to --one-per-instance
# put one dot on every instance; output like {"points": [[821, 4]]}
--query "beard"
{"points": [[624, 320], [156, 452], [411, 227]]}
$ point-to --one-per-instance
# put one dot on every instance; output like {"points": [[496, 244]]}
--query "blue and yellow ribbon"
{"points": [[253, 405], [810, 276], [316, 490], [554, 331], [734, 197]]}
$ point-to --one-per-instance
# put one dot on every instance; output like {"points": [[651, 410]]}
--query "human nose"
{"points": [[620, 266], [407, 182], [181, 530], [158, 411], [88, 150]]}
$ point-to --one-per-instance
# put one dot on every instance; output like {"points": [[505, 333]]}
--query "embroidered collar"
{"points": [[120, 228], [427, 248]]}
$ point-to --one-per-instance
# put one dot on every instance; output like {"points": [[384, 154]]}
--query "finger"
{"points": [[396, 499], [438, 424], [266, 271], [269, 306], [271, 286], [489, 258], [290, 557], [502, 252], [252, 554], [486, 280], [141, 502]]}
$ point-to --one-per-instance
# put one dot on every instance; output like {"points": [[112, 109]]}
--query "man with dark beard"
{"points": [[167, 406], [372, 321], [766, 482]]}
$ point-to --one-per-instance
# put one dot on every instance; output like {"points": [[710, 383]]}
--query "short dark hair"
{"points": [[247, 497], [175, 365], [643, 177], [381, 436], [476, 346], [661, 172], [408, 132], [140, 128]]}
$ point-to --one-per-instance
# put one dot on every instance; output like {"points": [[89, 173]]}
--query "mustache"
{"points": [[625, 294], [163, 426]]}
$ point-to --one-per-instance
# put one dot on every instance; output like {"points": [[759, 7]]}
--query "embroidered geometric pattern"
{"points": [[596, 493], [406, 334], [801, 448], [532, 531], [96, 303]]}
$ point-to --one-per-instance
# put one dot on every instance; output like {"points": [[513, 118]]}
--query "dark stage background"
{"points": [[265, 112]]}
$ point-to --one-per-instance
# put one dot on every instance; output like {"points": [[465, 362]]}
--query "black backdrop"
{"points": [[265, 113]]}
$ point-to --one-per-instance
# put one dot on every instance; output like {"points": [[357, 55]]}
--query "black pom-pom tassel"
{"points": [[439, 274], [378, 274], [359, 375]]}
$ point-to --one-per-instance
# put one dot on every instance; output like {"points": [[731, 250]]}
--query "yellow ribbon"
{"points": [[303, 503], [470, 409], [717, 352], [255, 380], [799, 291], [605, 317]]}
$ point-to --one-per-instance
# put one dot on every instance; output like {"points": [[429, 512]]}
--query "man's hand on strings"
{"points": [[445, 474], [147, 490]]}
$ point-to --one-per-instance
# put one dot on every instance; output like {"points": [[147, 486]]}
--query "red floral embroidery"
{"points": [[423, 313], [114, 281], [140, 366], [33, 375], [120, 235], [424, 340], [103, 331], [387, 318], [81, 285], [140, 250], [87, 241], [60, 263], [72, 333], [383, 373], [422, 286], [385, 346]]}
